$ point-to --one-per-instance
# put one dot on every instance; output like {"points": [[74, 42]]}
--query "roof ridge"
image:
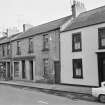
{"points": [[92, 9], [3, 37], [45, 27], [51, 21], [15, 34]]}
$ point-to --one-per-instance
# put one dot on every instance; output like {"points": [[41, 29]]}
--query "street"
{"points": [[22, 96]]}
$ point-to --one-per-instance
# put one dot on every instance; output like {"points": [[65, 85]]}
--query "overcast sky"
{"points": [[17, 12]]}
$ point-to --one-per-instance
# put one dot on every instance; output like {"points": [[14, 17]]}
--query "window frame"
{"points": [[18, 48], [74, 70], [44, 64], [45, 44], [8, 49], [73, 43], [3, 50], [100, 38], [31, 48]]}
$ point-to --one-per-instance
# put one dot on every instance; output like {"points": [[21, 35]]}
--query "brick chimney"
{"points": [[77, 8], [26, 27]]}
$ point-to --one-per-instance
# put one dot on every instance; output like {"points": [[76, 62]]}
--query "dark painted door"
{"points": [[23, 69], [31, 70], [57, 71], [101, 67], [8, 70]]}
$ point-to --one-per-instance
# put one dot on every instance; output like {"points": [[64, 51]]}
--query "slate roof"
{"points": [[15, 36], [4, 39], [8, 39], [88, 18], [44, 27]]}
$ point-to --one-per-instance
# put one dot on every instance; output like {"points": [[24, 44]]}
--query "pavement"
{"points": [[74, 92]]}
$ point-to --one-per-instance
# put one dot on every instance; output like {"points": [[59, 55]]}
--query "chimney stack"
{"points": [[77, 8], [26, 27]]}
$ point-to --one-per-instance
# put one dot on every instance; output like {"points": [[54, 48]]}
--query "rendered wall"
{"points": [[88, 54]]}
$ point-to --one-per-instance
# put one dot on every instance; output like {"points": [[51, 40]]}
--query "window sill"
{"points": [[30, 52], [18, 54], [101, 47], [45, 49], [77, 77], [78, 50]]}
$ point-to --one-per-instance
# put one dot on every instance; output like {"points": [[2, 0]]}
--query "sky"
{"points": [[35, 12]]}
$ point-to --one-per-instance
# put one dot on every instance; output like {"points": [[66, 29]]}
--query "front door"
{"points": [[57, 71], [23, 69], [31, 70], [101, 67], [8, 70]]}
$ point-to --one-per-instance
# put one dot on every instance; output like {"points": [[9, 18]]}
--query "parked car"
{"points": [[99, 92]]}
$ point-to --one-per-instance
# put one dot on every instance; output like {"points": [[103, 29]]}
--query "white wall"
{"points": [[88, 54]]}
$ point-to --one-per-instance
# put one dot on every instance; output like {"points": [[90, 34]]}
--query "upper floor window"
{"points": [[3, 50], [45, 42], [76, 42], [101, 34], [77, 68], [18, 48], [8, 49], [30, 45]]}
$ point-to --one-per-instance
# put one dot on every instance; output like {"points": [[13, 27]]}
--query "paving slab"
{"points": [[58, 87]]}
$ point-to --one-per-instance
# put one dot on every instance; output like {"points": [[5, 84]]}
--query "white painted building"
{"points": [[83, 49]]}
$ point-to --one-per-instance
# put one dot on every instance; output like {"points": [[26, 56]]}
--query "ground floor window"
{"points": [[16, 69], [46, 67], [77, 68]]}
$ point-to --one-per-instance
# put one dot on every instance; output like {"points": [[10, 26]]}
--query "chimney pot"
{"points": [[77, 8]]}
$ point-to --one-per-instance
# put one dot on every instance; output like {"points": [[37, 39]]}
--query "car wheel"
{"points": [[102, 98]]}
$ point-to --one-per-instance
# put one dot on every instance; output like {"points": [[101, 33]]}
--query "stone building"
{"points": [[6, 71], [36, 53], [5, 58]]}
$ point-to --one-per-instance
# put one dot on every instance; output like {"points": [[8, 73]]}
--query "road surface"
{"points": [[22, 96]]}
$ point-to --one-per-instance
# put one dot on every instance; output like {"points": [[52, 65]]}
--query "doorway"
{"points": [[16, 69], [31, 70], [57, 71], [23, 69], [8, 70], [101, 67]]}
